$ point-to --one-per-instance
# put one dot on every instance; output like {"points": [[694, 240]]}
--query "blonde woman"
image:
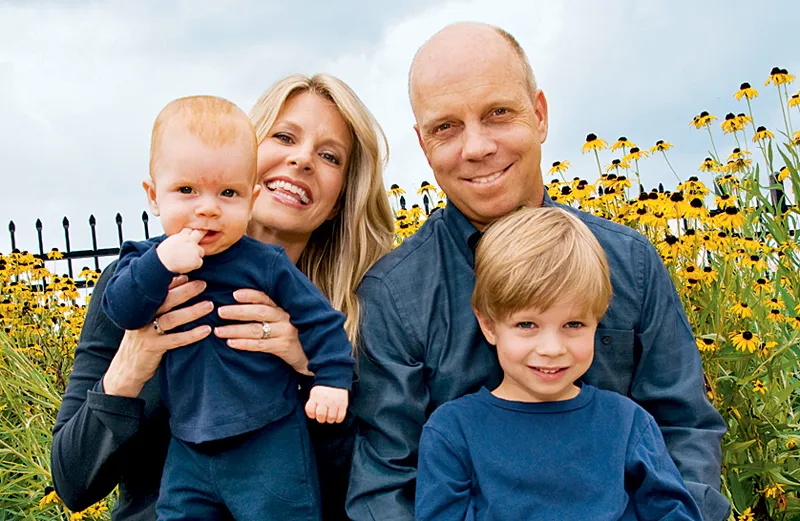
{"points": [[320, 161]]}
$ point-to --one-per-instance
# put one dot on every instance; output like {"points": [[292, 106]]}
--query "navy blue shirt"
{"points": [[421, 347], [598, 456], [211, 390]]}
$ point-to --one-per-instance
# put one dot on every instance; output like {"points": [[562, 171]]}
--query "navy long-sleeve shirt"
{"points": [[213, 391], [598, 456], [421, 347]]}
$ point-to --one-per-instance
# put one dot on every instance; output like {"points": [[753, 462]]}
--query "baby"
{"points": [[235, 416]]}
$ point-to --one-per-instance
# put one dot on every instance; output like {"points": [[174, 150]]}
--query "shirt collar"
{"points": [[465, 233]]}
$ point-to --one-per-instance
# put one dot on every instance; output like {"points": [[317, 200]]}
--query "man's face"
{"points": [[481, 130]]}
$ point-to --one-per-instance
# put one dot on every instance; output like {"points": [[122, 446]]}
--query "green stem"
{"points": [[713, 145], [783, 112], [670, 167], [597, 157]]}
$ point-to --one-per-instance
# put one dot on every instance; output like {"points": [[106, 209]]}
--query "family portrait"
{"points": [[395, 265]]}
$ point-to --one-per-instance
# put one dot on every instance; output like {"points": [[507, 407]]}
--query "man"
{"points": [[481, 121]]}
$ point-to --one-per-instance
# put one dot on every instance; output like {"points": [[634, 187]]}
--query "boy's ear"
{"points": [[487, 326], [256, 192], [150, 189]]}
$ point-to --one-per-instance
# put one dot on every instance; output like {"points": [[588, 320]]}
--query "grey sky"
{"points": [[80, 82]]}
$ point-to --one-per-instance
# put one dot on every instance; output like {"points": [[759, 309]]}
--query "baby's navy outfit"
{"points": [[240, 447], [598, 456]]}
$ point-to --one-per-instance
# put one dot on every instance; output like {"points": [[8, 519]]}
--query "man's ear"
{"points": [[150, 189], [487, 326], [540, 109], [422, 144]]}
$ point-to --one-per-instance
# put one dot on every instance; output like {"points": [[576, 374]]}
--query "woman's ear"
{"points": [[487, 326], [150, 189]]}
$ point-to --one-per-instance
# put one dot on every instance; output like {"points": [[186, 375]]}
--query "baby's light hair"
{"points": [[539, 257], [216, 122]]}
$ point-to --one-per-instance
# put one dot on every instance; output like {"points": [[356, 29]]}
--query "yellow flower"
{"points": [[704, 119], [730, 217], [622, 142], [426, 188], [559, 166], [705, 344], [731, 124], [709, 165], [778, 76], [762, 133], [747, 515], [765, 347], [693, 186], [616, 165], [783, 173], [54, 254], [396, 191], [50, 496], [773, 490], [745, 341], [754, 261], [742, 309], [593, 143], [747, 91], [728, 181], [738, 153], [635, 155], [796, 138], [794, 100], [775, 316], [77, 516], [759, 387], [763, 285], [660, 146], [791, 443]]}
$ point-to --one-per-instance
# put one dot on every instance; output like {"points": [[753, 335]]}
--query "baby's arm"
{"points": [[327, 404], [444, 477], [659, 491]]}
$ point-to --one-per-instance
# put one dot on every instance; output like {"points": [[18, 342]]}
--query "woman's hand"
{"points": [[255, 308], [140, 351]]}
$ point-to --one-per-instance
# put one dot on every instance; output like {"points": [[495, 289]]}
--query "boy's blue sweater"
{"points": [[214, 391], [598, 456]]}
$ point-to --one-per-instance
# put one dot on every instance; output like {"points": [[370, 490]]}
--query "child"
{"points": [[234, 415], [541, 446]]}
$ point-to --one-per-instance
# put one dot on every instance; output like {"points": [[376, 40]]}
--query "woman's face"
{"points": [[301, 166]]}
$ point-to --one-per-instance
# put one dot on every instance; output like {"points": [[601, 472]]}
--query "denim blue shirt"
{"points": [[421, 347]]}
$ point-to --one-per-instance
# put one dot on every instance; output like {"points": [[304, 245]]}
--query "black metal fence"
{"points": [[71, 255]]}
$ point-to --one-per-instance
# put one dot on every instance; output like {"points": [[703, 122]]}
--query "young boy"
{"points": [[541, 446], [235, 417]]}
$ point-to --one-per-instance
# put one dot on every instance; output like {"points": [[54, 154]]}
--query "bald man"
{"points": [[481, 121]]}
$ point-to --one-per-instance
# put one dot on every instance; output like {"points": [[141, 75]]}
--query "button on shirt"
{"points": [[421, 347]]}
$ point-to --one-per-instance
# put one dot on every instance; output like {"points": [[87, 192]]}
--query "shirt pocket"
{"points": [[613, 364]]}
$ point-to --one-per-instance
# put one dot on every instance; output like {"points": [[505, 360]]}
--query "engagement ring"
{"points": [[266, 330], [157, 327]]}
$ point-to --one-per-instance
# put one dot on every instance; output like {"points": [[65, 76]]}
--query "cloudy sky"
{"points": [[81, 82]]}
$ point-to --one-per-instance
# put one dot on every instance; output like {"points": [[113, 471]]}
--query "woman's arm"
{"points": [[96, 422]]}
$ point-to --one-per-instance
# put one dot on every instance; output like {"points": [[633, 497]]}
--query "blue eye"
{"points": [[228, 193], [574, 324], [526, 325]]}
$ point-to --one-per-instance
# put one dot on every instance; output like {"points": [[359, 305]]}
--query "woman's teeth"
{"points": [[289, 187]]}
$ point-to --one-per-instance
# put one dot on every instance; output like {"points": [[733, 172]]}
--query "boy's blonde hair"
{"points": [[342, 249], [539, 257], [216, 122]]}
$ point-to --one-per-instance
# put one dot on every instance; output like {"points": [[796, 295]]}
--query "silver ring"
{"points": [[158, 329], [266, 330]]}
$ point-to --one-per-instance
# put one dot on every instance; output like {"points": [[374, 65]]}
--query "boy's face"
{"points": [[542, 353], [204, 188]]}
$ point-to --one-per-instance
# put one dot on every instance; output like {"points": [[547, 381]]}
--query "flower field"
{"points": [[730, 247]]}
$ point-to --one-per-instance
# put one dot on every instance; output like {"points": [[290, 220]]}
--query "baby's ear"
{"points": [[487, 326], [150, 189]]}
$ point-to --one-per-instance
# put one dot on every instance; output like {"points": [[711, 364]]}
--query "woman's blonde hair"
{"points": [[539, 257], [342, 249]]}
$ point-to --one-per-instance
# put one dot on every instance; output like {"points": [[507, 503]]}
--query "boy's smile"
{"points": [[542, 353]]}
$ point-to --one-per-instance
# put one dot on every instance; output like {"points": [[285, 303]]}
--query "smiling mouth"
{"points": [[488, 178], [549, 370], [289, 190]]}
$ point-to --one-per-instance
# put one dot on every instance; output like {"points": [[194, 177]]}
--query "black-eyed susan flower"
{"points": [[741, 309], [709, 165], [634, 154], [743, 119], [746, 515], [559, 167], [731, 124], [706, 344], [616, 164], [710, 274], [775, 316], [735, 166], [426, 189], [660, 146], [746, 91], [729, 181], [762, 134], [754, 262], [763, 285], [796, 138], [693, 186], [782, 175], [778, 76], [773, 490], [396, 191], [791, 443], [794, 101], [593, 143], [704, 119], [795, 323], [745, 341], [54, 254], [774, 303], [49, 497], [759, 387], [765, 348], [622, 142], [729, 218]]}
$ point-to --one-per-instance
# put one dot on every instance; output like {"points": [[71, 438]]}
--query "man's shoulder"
{"points": [[413, 254], [608, 231]]}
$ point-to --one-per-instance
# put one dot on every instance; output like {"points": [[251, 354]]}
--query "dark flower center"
{"points": [[744, 85], [747, 335], [590, 138]]}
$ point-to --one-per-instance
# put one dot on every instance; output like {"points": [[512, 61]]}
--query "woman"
{"points": [[320, 159]]}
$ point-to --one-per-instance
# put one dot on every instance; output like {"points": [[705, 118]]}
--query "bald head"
{"points": [[461, 44]]}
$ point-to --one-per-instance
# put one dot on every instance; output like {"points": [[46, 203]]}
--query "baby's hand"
{"points": [[327, 404], [182, 253]]}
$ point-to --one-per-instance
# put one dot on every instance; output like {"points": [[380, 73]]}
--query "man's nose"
{"points": [[478, 143]]}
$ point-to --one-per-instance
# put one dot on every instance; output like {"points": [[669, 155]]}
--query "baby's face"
{"points": [[204, 188]]}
